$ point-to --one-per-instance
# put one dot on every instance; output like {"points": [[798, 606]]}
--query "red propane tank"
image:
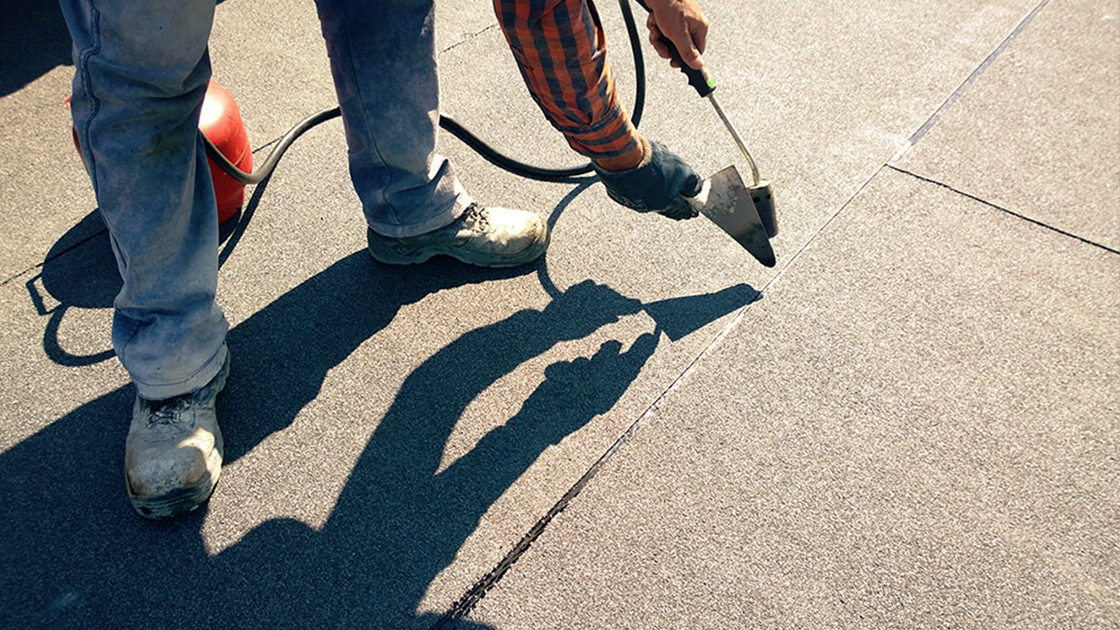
{"points": [[221, 123]]}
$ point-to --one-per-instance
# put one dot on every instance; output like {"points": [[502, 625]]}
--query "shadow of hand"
{"points": [[586, 307], [576, 391]]}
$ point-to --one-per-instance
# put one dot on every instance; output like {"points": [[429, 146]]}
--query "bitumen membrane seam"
{"points": [[63, 252], [236, 227], [1002, 209], [465, 604]]}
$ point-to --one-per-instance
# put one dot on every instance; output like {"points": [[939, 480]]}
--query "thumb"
{"points": [[692, 185]]}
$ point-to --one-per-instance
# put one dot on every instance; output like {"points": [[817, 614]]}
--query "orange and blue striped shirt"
{"points": [[561, 51]]}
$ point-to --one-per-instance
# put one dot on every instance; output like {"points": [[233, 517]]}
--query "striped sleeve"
{"points": [[561, 52]]}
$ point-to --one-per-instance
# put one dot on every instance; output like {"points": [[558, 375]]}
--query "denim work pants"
{"points": [[141, 72]]}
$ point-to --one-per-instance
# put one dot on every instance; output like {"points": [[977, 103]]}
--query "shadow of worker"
{"points": [[400, 520], [74, 555]]}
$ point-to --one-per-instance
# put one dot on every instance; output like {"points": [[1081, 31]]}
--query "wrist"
{"points": [[625, 162]]}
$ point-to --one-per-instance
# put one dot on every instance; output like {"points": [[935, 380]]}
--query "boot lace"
{"points": [[476, 217], [166, 411]]}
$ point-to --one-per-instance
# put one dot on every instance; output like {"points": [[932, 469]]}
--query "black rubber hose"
{"points": [[264, 170], [489, 153]]}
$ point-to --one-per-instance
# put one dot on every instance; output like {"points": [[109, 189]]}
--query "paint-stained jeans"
{"points": [[141, 71]]}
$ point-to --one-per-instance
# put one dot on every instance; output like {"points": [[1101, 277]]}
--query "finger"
{"points": [[663, 51], [680, 210], [700, 37], [677, 32], [689, 53], [657, 39]]}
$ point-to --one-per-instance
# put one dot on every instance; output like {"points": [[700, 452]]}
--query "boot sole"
{"points": [[176, 502]]}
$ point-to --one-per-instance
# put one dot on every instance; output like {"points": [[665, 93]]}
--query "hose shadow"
{"points": [[80, 271]]}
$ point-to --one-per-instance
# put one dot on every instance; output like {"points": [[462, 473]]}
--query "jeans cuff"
{"points": [[442, 219], [204, 375]]}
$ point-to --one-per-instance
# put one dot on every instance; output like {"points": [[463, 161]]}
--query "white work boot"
{"points": [[489, 237], [173, 454]]}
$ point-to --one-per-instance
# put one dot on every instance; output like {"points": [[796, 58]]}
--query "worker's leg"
{"points": [[384, 64], [140, 77], [383, 59], [141, 74]]}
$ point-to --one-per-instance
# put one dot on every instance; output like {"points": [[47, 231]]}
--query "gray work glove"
{"points": [[655, 184]]}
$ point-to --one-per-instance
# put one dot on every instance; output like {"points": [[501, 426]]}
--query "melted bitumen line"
{"points": [[467, 602], [956, 95]]}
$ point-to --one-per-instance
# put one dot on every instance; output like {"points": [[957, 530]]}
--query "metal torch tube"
{"points": [[739, 141]]}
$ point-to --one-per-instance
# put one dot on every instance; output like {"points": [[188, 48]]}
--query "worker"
{"points": [[141, 70]]}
